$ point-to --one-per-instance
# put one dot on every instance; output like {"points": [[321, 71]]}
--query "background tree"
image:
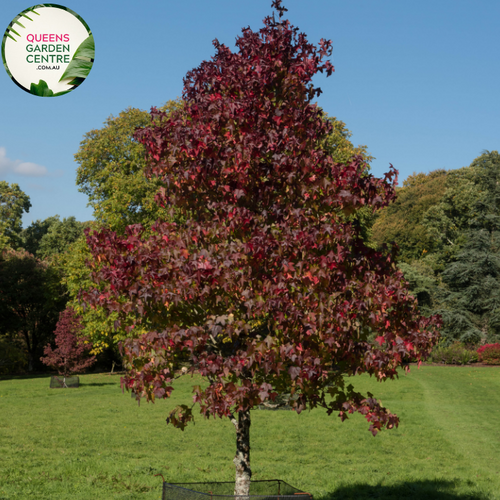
{"points": [[402, 221], [31, 297], [447, 222], [71, 354], [51, 236], [471, 307], [338, 145], [111, 171], [263, 286], [13, 202], [450, 256], [98, 326], [12, 357], [33, 234], [471, 311], [424, 284]]}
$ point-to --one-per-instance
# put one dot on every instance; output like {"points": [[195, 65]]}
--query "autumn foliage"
{"points": [[71, 354], [265, 288], [489, 354], [263, 284]]}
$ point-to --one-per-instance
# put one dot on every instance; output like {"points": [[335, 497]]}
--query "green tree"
{"points": [[339, 145], [99, 326], [471, 311], [447, 222], [52, 236], [111, 171], [31, 297], [424, 284], [402, 221], [471, 306], [13, 203], [12, 357], [33, 234]]}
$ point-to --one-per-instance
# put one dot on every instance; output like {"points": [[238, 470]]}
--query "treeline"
{"points": [[445, 223], [447, 227], [32, 293]]}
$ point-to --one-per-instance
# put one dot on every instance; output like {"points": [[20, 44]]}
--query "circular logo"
{"points": [[48, 50]]}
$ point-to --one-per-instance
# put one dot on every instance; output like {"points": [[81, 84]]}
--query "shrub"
{"points": [[489, 354], [454, 354]]}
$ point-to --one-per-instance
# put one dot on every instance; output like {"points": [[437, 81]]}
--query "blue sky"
{"points": [[417, 82]]}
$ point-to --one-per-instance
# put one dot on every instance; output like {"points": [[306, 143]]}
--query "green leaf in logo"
{"points": [[76, 81], [86, 49], [82, 61], [41, 89]]}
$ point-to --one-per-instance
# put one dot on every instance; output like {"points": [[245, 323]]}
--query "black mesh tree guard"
{"points": [[273, 489], [282, 402], [60, 382]]}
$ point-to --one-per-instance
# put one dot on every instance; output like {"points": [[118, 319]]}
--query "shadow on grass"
{"points": [[25, 376], [416, 490], [33, 376]]}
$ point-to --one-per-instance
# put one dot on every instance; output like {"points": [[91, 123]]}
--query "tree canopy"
{"points": [[446, 225], [71, 354], [13, 203], [31, 297], [111, 171], [263, 286], [471, 303], [403, 220], [52, 236]]}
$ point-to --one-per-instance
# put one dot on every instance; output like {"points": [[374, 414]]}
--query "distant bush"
{"points": [[489, 354], [454, 354]]}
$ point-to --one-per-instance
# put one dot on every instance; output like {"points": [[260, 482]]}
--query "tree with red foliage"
{"points": [[71, 354], [266, 287]]}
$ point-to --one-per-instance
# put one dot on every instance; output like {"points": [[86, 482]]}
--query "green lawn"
{"points": [[97, 443]]}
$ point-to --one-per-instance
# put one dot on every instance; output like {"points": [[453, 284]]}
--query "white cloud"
{"points": [[27, 169]]}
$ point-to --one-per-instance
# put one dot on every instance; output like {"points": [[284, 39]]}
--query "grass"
{"points": [[97, 443]]}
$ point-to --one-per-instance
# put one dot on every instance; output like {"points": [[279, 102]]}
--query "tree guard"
{"points": [[60, 382], [272, 489]]}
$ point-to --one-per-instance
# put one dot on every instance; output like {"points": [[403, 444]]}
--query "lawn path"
{"points": [[474, 431], [95, 442]]}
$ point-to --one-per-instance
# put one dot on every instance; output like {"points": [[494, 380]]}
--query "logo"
{"points": [[48, 50]]}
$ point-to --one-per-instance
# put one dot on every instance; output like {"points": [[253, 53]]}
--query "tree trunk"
{"points": [[30, 350], [30, 362], [242, 458]]}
